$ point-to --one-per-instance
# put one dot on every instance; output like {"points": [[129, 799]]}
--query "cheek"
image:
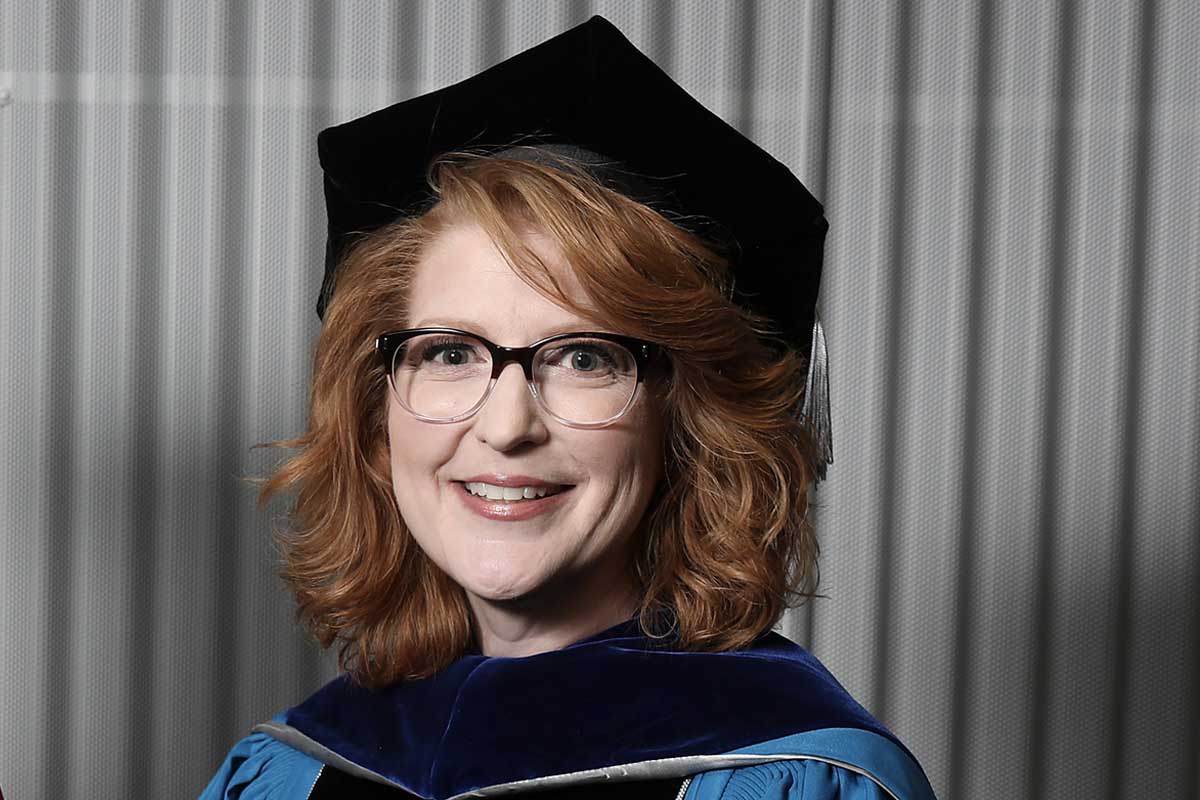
{"points": [[416, 452], [399, 443], [397, 433], [648, 445], [629, 460], [416, 449]]}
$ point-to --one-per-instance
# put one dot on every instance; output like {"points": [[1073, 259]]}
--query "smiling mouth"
{"points": [[511, 494]]}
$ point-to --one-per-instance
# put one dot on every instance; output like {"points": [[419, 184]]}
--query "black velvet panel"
{"points": [[614, 698], [334, 784]]}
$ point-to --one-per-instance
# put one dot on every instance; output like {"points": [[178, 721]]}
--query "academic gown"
{"points": [[616, 715]]}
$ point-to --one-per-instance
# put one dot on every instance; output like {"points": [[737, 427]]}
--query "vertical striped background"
{"points": [[1011, 548]]}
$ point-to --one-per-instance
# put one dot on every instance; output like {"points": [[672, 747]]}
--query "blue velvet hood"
{"points": [[615, 698]]}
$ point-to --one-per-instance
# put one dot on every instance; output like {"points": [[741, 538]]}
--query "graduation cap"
{"points": [[589, 94]]}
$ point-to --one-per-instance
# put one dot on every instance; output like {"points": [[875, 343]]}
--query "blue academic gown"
{"points": [[766, 721]]}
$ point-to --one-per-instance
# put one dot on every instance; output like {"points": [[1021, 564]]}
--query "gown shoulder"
{"points": [[828, 764], [259, 767], [786, 780]]}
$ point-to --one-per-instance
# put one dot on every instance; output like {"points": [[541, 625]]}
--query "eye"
{"points": [[588, 358], [442, 350], [450, 354], [592, 357]]}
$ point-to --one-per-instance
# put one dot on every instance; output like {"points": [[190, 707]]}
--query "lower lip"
{"points": [[514, 511]]}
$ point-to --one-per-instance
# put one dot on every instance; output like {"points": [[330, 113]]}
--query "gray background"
{"points": [[1009, 532]]}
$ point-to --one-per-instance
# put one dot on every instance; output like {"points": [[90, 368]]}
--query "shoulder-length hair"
{"points": [[726, 542]]}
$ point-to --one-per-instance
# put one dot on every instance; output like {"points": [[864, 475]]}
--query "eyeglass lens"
{"points": [[580, 379]]}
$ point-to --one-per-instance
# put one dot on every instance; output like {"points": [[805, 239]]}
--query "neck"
{"points": [[538, 625]]}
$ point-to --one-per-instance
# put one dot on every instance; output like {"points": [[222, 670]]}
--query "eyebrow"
{"points": [[471, 327]]}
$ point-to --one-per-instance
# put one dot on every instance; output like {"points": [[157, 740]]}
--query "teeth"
{"points": [[510, 493]]}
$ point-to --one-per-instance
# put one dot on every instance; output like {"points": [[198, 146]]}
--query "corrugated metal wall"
{"points": [[1013, 306]]}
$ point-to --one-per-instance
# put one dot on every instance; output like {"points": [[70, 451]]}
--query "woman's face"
{"points": [[586, 538]]}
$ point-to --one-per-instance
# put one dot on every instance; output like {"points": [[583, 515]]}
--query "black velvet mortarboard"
{"points": [[590, 90]]}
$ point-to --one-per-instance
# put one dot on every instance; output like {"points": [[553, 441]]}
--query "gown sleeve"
{"points": [[262, 768], [802, 779]]}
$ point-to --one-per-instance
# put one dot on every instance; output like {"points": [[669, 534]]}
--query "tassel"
{"points": [[815, 411]]}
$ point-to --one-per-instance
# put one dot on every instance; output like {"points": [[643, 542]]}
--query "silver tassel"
{"points": [[816, 399]]}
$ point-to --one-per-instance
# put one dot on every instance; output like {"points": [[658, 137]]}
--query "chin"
{"points": [[500, 586]]}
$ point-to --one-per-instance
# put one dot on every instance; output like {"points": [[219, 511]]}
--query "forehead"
{"points": [[464, 281]]}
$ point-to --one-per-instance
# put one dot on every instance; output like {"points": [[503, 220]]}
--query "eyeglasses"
{"points": [[585, 380]]}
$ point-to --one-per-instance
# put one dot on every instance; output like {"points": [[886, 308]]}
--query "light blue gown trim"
{"points": [[259, 767], [846, 763]]}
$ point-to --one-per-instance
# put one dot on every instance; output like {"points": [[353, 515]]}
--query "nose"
{"points": [[511, 415]]}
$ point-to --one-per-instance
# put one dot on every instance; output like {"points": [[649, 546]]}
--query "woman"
{"points": [[553, 495]]}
